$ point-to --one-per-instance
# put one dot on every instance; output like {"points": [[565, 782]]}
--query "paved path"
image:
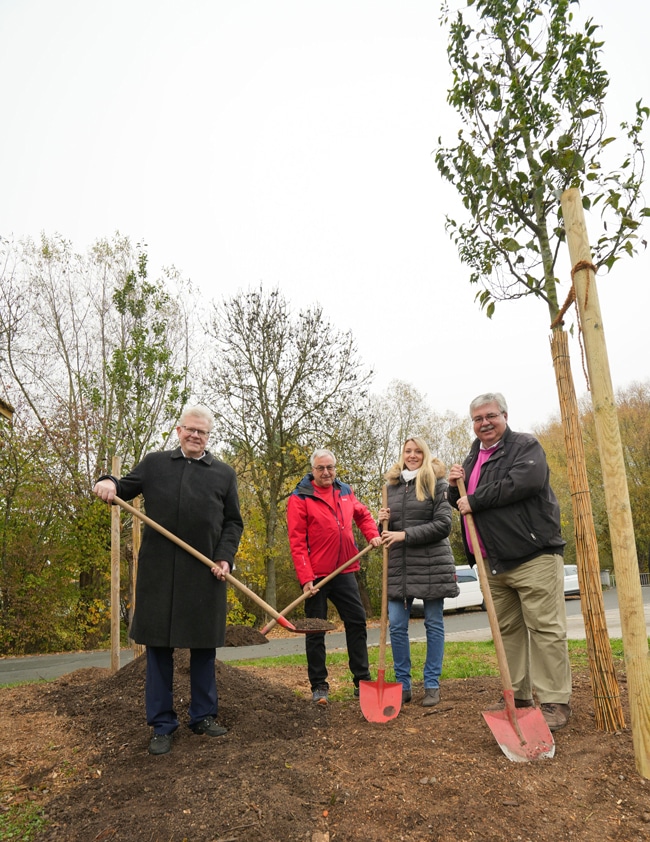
{"points": [[470, 625]]}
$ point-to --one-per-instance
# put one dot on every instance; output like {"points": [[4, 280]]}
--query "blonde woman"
{"points": [[420, 561]]}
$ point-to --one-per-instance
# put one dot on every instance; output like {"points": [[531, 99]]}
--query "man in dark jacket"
{"points": [[181, 603], [517, 518], [320, 513]]}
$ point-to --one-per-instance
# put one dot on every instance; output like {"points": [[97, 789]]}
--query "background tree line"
{"points": [[98, 360]]}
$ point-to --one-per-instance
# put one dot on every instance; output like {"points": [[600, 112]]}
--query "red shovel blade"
{"points": [[380, 701], [525, 738]]}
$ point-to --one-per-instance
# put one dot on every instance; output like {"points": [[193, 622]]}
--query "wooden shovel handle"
{"points": [[303, 596], [506, 680], [190, 549], [383, 622]]}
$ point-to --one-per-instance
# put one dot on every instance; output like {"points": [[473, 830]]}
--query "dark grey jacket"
{"points": [[179, 602], [423, 565], [515, 510]]}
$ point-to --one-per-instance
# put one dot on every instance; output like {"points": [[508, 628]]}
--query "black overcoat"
{"points": [[179, 602]]}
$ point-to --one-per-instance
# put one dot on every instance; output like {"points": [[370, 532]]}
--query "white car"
{"points": [[470, 593], [571, 586]]}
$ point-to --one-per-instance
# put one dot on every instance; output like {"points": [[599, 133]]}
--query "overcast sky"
{"points": [[290, 143]]}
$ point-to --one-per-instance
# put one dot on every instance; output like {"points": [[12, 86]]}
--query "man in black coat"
{"points": [[517, 518], [181, 603]]}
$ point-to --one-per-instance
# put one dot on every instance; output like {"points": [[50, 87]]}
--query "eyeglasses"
{"points": [[478, 419], [320, 469], [204, 434]]}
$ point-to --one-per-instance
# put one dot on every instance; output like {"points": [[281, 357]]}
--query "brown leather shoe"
{"points": [[519, 703], [556, 715]]}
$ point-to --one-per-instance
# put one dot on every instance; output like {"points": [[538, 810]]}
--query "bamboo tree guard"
{"points": [[619, 514], [136, 532], [116, 464], [604, 685]]}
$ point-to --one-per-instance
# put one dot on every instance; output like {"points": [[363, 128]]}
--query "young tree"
{"points": [[140, 388], [278, 384], [531, 95]]}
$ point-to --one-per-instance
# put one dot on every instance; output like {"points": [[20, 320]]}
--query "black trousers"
{"points": [[159, 699], [343, 592]]}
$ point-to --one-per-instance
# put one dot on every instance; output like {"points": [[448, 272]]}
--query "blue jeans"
{"points": [[398, 618]]}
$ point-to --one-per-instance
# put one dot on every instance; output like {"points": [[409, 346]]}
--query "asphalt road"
{"points": [[471, 624]]}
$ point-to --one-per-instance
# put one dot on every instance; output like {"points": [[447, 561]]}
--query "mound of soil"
{"points": [[292, 771], [244, 636]]}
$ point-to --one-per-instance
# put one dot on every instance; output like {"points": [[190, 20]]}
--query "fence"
{"points": [[645, 579]]}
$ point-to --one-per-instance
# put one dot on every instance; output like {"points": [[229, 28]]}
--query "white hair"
{"points": [[321, 451], [198, 411], [488, 397]]}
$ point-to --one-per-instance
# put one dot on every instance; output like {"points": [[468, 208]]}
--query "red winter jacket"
{"points": [[320, 536]]}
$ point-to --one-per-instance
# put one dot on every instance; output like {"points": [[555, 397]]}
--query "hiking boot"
{"points": [[319, 694], [209, 727], [406, 697], [519, 703], [160, 744], [431, 697], [556, 715]]}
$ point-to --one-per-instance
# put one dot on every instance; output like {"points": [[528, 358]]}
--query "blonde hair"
{"points": [[425, 482]]}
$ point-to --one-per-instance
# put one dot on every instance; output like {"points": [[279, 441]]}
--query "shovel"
{"points": [[380, 701], [267, 628], [228, 577], [522, 733]]}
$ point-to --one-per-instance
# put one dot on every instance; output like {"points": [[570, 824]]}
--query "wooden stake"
{"points": [[136, 531], [116, 465], [626, 567]]}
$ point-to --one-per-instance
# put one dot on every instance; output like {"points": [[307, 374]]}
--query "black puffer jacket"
{"points": [[422, 566]]}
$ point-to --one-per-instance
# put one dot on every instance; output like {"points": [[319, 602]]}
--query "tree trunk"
{"points": [[271, 594]]}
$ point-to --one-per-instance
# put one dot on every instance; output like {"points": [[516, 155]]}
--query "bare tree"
{"points": [[279, 384], [97, 355]]}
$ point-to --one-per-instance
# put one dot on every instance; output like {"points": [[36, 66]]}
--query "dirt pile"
{"points": [[290, 771]]}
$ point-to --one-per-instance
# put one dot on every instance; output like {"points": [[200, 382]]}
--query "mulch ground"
{"points": [[291, 770]]}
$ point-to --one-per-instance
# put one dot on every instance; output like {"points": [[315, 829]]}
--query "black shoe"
{"points": [[209, 727], [320, 694], [356, 686], [160, 744], [431, 697], [406, 697]]}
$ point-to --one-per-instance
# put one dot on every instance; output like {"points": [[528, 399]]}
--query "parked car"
{"points": [[470, 593], [571, 586], [470, 590]]}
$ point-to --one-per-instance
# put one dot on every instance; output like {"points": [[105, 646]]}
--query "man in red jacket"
{"points": [[320, 513]]}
